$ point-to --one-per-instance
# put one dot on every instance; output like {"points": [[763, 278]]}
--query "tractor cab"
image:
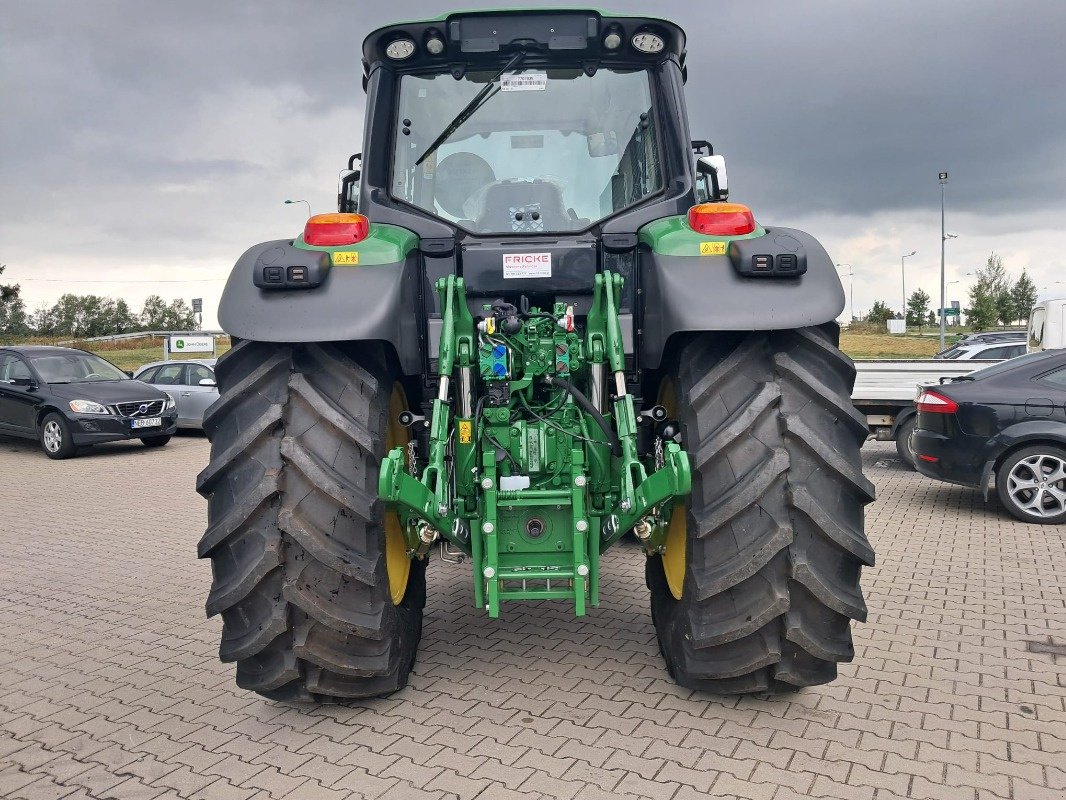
{"points": [[517, 124]]}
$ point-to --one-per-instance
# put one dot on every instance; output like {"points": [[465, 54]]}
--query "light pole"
{"points": [[290, 202], [851, 284], [903, 278], [943, 177]]}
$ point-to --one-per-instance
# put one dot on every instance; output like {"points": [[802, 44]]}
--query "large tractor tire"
{"points": [[318, 598], [759, 581]]}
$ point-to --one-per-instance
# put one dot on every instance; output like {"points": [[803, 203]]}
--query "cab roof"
{"points": [[549, 34]]}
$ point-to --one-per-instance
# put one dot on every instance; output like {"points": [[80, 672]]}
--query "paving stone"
{"points": [[110, 684]]}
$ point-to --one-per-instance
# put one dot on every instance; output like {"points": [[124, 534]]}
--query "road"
{"points": [[110, 686]]}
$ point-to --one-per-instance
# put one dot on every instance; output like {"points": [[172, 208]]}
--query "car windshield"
{"points": [[544, 151], [75, 368], [1013, 363]]}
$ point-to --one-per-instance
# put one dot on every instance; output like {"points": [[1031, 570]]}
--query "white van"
{"points": [[1047, 324]]}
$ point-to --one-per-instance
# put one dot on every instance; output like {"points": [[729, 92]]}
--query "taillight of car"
{"points": [[935, 403]]}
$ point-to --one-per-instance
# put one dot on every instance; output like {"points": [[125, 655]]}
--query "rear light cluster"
{"points": [[336, 230], [721, 219], [935, 403]]}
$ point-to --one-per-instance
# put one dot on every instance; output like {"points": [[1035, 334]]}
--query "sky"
{"points": [[145, 145]]}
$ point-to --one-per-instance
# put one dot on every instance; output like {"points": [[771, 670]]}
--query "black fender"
{"points": [[1021, 434], [357, 303], [1024, 433], [689, 294]]}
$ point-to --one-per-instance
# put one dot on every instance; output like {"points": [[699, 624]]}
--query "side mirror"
{"points": [[129, 373], [208, 382], [714, 168], [348, 189], [28, 382]]}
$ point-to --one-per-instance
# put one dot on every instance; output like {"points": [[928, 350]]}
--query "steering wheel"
{"points": [[93, 375]]}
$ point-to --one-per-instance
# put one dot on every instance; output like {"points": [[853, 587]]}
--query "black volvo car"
{"points": [[68, 399], [1006, 421]]}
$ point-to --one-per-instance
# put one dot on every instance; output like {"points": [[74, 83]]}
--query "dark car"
{"points": [[1006, 421], [68, 399]]}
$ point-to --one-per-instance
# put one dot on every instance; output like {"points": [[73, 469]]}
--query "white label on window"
{"points": [[524, 82], [527, 265]]}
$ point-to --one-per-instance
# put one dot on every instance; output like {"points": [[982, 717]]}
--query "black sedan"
{"points": [[68, 399], [1006, 421]]}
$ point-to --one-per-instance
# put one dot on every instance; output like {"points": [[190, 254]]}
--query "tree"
{"points": [[13, 320], [930, 319], [122, 319], [1024, 296], [181, 317], [986, 294], [917, 308], [880, 313], [159, 316], [42, 321], [154, 314], [1006, 311]]}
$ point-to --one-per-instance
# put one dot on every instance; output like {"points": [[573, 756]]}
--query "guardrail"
{"points": [[118, 337]]}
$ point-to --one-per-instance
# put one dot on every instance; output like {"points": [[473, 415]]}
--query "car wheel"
{"points": [[155, 441], [1031, 483], [56, 440], [903, 442]]}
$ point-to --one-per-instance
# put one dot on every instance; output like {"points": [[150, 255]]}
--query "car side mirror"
{"points": [[208, 382], [129, 373], [29, 382], [714, 168]]}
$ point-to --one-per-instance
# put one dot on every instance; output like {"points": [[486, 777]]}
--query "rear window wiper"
{"points": [[471, 108]]}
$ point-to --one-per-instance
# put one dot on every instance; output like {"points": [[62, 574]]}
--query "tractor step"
{"points": [[536, 583]]}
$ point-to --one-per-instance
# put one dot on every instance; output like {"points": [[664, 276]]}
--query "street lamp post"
{"points": [[943, 177], [903, 278], [290, 202], [851, 285]]}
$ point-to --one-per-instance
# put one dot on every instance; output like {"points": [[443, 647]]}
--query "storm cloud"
{"points": [[143, 141]]}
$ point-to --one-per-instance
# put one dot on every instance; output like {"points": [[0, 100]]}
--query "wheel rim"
{"points": [[674, 558], [53, 436], [1037, 485], [397, 562]]}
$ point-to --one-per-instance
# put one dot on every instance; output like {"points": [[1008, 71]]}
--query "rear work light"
{"points": [[331, 230], [721, 219], [935, 403]]}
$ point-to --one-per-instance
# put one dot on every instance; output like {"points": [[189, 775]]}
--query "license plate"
{"points": [[147, 422]]}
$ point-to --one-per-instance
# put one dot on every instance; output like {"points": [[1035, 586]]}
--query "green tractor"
{"points": [[535, 326]]}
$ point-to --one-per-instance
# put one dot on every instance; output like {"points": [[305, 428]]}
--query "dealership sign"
{"points": [[192, 344]]}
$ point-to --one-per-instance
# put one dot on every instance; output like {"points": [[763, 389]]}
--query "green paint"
{"points": [[386, 244], [536, 481], [672, 236]]}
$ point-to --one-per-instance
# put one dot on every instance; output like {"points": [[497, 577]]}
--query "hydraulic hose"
{"points": [[586, 404]]}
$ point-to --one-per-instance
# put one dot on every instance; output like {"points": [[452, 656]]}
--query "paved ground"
{"points": [[109, 685]]}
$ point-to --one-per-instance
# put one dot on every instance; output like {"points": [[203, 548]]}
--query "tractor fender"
{"points": [[690, 293], [352, 303]]}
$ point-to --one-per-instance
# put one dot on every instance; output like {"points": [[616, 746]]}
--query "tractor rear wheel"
{"points": [[759, 581], [318, 598]]}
